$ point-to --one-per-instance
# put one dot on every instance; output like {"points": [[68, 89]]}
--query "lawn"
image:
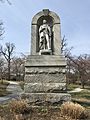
{"points": [[43, 112], [35, 113], [82, 97], [3, 86], [73, 86]]}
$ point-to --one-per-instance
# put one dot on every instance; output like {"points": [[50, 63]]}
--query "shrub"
{"points": [[75, 111], [19, 106]]}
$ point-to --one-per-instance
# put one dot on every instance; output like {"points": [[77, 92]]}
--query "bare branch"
{"points": [[5, 1], [63, 44], [7, 53], [9, 2], [1, 29]]}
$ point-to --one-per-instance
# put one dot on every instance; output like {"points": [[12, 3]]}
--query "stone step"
{"points": [[44, 87], [40, 98]]}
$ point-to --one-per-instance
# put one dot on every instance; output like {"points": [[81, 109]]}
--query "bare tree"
{"points": [[78, 68], [67, 53], [1, 67], [83, 63], [6, 1], [17, 68], [7, 52], [81, 69], [1, 23], [64, 47], [63, 44], [1, 29]]}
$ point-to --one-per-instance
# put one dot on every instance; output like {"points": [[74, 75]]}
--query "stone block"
{"points": [[45, 87], [52, 98], [45, 69], [45, 78], [45, 60]]}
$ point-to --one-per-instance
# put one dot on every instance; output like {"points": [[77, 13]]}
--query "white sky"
{"points": [[74, 15]]}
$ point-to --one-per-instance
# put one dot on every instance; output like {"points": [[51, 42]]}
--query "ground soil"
{"points": [[35, 113]]}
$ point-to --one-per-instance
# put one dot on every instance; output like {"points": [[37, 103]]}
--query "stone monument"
{"points": [[45, 77]]}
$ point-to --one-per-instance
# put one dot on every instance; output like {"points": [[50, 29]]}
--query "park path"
{"points": [[75, 90], [15, 90], [14, 87]]}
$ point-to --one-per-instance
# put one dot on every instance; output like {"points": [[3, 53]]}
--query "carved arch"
{"points": [[46, 12], [56, 31]]}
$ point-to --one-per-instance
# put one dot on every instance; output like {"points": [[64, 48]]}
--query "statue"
{"points": [[45, 36]]}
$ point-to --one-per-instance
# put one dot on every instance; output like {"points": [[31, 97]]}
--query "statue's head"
{"points": [[44, 21]]}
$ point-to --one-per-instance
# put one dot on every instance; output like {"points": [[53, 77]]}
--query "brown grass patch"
{"points": [[75, 111]]}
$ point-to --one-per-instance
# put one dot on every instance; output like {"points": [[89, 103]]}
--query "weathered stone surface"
{"points": [[45, 78], [45, 87], [58, 98], [46, 60], [45, 70]]}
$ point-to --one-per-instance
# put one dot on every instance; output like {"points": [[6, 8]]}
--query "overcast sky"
{"points": [[74, 15]]}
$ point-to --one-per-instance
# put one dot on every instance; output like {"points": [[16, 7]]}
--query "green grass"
{"points": [[72, 86], [3, 86], [82, 97], [83, 94]]}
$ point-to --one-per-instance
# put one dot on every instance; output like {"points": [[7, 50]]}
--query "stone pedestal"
{"points": [[45, 79], [45, 52], [45, 98], [45, 69]]}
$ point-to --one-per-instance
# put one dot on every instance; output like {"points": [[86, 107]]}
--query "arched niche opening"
{"points": [[50, 22]]}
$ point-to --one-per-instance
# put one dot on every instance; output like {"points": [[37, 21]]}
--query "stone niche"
{"points": [[54, 21], [45, 68]]}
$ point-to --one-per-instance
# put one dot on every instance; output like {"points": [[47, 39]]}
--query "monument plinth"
{"points": [[45, 52], [45, 68]]}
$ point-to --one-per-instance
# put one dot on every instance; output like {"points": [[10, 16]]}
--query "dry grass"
{"points": [[35, 113], [75, 111], [3, 88], [19, 106]]}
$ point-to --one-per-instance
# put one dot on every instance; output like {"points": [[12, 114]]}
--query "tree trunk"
{"points": [[8, 69], [83, 85]]}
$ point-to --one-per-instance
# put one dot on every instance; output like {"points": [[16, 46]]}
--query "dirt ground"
{"points": [[35, 113]]}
